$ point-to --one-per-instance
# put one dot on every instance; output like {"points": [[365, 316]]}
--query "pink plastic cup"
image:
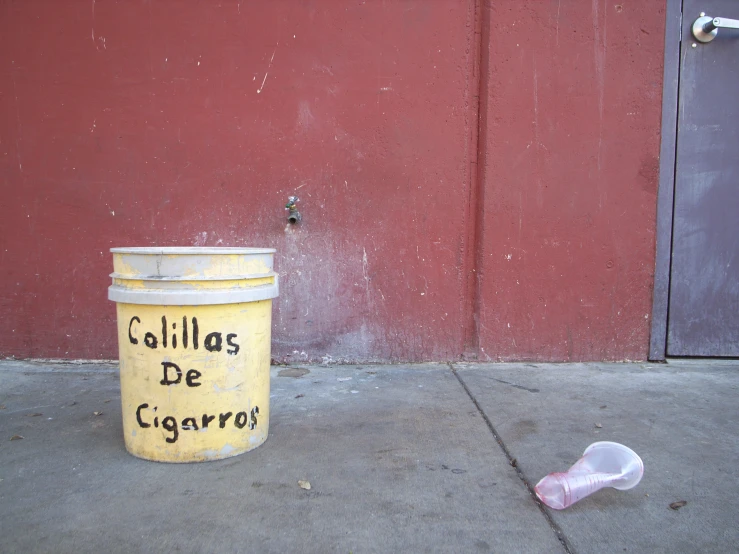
{"points": [[603, 464]]}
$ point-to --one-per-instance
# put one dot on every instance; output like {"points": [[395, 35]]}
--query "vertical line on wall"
{"points": [[666, 188], [474, 220], [674, 189]]}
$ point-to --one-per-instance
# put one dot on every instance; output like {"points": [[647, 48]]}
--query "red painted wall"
{"points": [[189, 123], [570, 147], [182, 123]]}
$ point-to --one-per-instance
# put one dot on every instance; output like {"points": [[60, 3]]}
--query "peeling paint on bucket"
{"points": [[194, 330]]}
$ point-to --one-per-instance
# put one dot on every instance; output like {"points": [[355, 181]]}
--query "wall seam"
{"points": [[475, 208], [666, 187]]}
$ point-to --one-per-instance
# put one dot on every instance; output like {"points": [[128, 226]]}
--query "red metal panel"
{"points": [[570, 156], [189, 123]]}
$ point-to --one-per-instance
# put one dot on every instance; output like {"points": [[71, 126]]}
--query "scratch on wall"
{"points": [[365, 273], [599, 47], [536, 106], [20, 126], [201, 239], [306, 119], [261, 88], [539, 191], [92, 32]]}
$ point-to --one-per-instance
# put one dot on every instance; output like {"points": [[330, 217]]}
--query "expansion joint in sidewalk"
{"points": [[511, 460]]}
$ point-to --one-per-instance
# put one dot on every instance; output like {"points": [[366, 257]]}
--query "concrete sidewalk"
{"points": [[400, 458]]}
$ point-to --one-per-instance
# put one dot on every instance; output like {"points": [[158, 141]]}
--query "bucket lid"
{"points": [[205, 250], [192, 275]]}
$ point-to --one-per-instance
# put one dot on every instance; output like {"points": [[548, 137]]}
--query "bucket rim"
{"points": [[190, 250], [190, 278]]}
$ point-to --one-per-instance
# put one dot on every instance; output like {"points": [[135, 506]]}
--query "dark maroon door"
{"points": [[703, 315]]}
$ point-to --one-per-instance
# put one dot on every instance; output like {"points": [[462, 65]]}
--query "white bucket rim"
{"points": [[193, 297], [190, 250], [193, 278]]}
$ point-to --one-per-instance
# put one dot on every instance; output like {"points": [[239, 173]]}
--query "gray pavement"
{"points": [[414, 458]]}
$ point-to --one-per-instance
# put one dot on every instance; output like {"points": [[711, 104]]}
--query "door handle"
{"points": [[706, 28]]}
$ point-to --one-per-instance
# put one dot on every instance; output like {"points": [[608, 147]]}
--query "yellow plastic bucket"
{"points": [[194, 330]]}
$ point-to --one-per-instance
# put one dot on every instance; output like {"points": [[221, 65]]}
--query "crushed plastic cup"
{"points": [[603, 464]]}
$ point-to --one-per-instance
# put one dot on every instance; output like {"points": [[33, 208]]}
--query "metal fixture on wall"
{"points": [[293, 215]]}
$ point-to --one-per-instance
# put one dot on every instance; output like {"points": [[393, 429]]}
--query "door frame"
{"points": [[666, 186]]}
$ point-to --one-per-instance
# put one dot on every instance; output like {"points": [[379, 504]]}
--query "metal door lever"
{"points": [[706, 28]]}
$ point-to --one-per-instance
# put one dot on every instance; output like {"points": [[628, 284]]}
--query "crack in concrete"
{"points": [[514, 385], [512, 461]]}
